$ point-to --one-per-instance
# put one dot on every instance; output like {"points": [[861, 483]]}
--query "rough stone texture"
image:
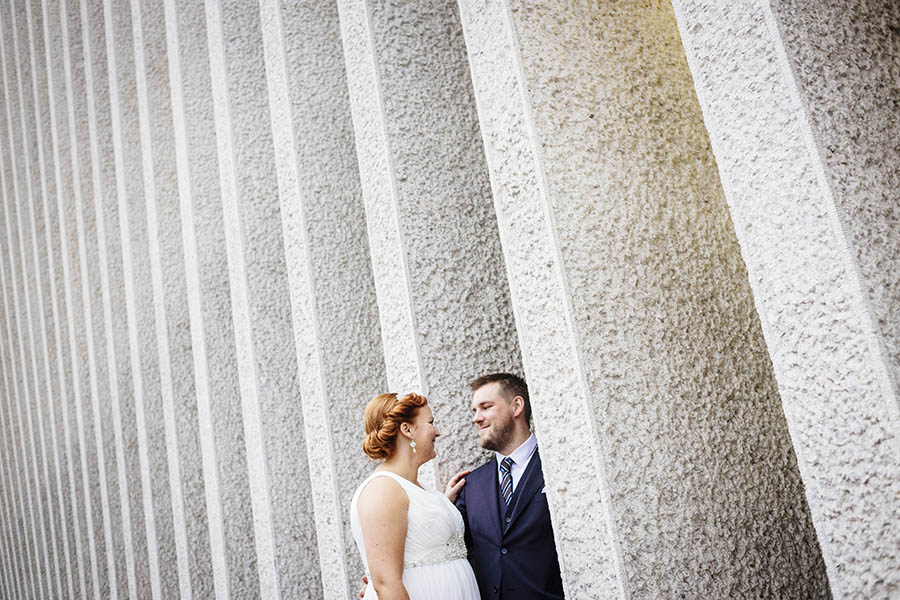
{"points": [[249, 331], [338, 344], [442, 298], [181, 524], [16, 444], [112, 401], [229, 512], [802, 240], [176, 240], [17, 564], [143, 408], [845, 58], [673, 368], [39, 403], [12, 561], [46, 261], [589, 560], [17, 197], [261, 299], [56, 357], [84, 372], [56, 232]]}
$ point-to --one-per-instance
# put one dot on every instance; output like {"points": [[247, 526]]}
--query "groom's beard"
{"points": [[499, 435]]}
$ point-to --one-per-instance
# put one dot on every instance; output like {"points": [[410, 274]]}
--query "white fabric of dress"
{"points": [[434, 560]]}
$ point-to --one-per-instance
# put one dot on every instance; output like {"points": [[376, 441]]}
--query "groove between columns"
{"points": [[88, 332], [112, 367], [329, 533], [249, 386], [26, 503], [198, 341], [130, 311], [29, 294], [70, 289], [25, 399], [389, 262], [49, 395], [14, 529], [162, 336], [63, 389]]}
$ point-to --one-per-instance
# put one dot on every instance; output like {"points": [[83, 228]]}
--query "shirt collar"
{"points": [[522, 453]]}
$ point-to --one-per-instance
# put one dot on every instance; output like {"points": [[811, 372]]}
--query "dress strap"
{"points": [[404, 483]]}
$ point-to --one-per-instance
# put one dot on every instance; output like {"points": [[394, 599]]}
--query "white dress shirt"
{"points": [[521, 457]]}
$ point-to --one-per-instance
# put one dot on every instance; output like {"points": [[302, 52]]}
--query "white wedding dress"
{"points": [[434, 560]]}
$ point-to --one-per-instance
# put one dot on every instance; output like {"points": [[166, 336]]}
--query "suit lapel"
{"points": [[532, 481], [488, 497]]}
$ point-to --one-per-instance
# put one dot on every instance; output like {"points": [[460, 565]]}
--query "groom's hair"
{"points": [[512, 386]]}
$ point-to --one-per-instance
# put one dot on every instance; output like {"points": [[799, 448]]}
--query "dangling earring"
{"points": [[412, 445]]}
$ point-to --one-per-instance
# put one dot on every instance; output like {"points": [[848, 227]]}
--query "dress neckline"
{"points": [[376, 472]]}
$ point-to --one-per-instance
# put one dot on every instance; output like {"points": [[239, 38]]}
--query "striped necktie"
{"points": [[506, 481]]}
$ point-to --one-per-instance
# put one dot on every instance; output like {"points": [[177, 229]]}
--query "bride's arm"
{"points": [[382, 508]]}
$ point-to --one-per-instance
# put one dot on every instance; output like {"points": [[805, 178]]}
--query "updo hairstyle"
{"points": [[382, 419]]}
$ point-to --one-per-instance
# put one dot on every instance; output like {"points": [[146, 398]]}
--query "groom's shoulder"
{"points": [[483, 470]]}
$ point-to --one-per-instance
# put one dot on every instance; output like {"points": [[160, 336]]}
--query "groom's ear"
{"points": [[518, 405]]}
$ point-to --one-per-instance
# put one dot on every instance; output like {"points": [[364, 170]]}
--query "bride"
{"points": [[410, 538]]}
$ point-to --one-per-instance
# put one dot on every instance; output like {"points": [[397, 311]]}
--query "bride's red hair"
{"points": [[382, 419]]}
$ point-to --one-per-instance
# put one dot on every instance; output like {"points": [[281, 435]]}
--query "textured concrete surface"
{"points": [[442, 297], [659, 318], [218, 397], [589, 559], [163, 293], [279, 472], [332, 289], [808, 253], [45, 266], [21, 175], [35, 389], [225, 226], [845, 61], [67, 43], [51, 263]]}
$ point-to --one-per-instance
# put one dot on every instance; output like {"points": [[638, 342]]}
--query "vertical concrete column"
{"points": [[800, 102], [143, 418], [53, 98], [67, 109], [9, 580], [44, 220], [13, 496], [442, 298], [119, 386], [284, 529], [216, 369], [179, 503], [332, 291], [34, 276], [648, 368], [16, 198], [29, 533]]}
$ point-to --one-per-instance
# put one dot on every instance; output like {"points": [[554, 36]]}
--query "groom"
{"points": [[503, 504]]}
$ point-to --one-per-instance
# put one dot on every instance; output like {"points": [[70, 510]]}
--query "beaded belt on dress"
{"points": [[453, 549]]}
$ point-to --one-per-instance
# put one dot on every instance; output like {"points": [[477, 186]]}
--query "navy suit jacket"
{"points": [[513, 554]]}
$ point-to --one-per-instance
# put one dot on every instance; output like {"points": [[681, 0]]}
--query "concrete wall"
{"points": [[805, 137], [226, 225]]}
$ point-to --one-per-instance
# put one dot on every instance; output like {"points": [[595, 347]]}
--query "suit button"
{"points": [[508, 519], [503, 551], [495, 590]]}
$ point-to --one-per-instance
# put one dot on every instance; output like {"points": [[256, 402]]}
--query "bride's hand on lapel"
{"points": [[455, 484]]}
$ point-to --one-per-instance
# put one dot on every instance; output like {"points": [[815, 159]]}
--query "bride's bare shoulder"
{"points": [[382, 492]]}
